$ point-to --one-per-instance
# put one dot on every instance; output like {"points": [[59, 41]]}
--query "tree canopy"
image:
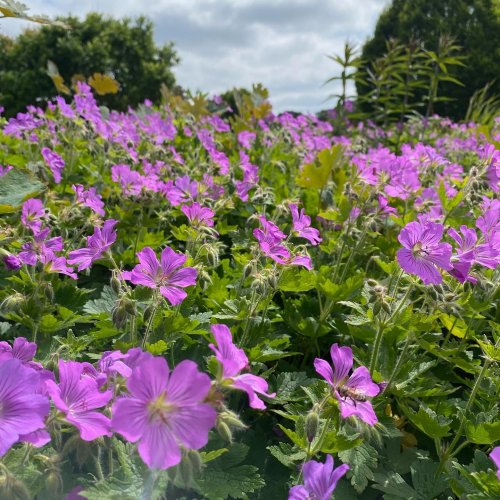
{"points": [[475, 26], [122, 48]]}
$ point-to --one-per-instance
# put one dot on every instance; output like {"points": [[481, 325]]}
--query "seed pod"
{"points": [[311, 425]]}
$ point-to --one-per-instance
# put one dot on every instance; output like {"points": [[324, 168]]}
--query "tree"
{"points": [[474, 25], [122, 48]]}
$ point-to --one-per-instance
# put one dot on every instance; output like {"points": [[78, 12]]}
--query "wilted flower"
{"points": [[351, 392], [23, 410], [12, 262], [233, 361], [167, 276], [97, 244], [164, 411], [424, 252], [319, 480], [77, 396]]}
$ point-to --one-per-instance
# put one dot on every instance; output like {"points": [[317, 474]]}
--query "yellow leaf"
{"points": [[104, 84], [60, 85], [312, 176], [454, 325]]}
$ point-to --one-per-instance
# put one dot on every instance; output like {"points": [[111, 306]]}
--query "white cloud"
{"points": [[234, 43]]}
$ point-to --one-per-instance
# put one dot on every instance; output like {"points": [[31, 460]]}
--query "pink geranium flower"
{"points": [[302, 225], [423, 252], [165, 275], [233, 360], [54, 162], [319, 480], [198, 215], [32, 214], [97, 244], [164, 411], [90, 198], [495, 456], [77, 396], [351, 392], [41, 249], [23, 410]]}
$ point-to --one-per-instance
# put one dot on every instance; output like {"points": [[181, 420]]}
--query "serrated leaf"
{"points": [[431, 424], [362, 461], [483, 433], [104, 304]]}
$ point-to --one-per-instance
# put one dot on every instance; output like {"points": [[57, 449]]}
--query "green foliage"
{"points": [[475, 26], [97, 44]]}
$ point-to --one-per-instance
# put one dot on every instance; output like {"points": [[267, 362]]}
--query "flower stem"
{"points": [[470, 402]]}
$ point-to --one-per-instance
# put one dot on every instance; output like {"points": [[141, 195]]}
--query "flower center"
{"points": [[419, 250], [159, 409]]}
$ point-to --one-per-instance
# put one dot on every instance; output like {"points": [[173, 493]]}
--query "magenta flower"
{"points": [[21, 349], [198, 215], [4, 170], [77, 396], [32, 213], [233, 360], [302, 225], [495, 456], [246, 138], [113, 362], [54, 162], [12, 262], [319, 480], [90, 198], [423, 251], [164, 411], [183, 190], [351, 392], [59, 265], [41, 249], [23, 411], [165, 275], [97, 244]]}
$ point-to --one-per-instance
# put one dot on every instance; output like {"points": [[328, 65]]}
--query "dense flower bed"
{"points": [[201, 304]]}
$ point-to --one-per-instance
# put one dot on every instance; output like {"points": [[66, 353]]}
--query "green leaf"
{"points": [[317, 177], [484, 433], [295, 280], [225, 478], [104, 304], [393, 484], [423, 474], [15, 187], [431, 424], [362, 461]]}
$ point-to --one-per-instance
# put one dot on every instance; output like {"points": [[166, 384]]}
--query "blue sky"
{"points": [[234, 43]]}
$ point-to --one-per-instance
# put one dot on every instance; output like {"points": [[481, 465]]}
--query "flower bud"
{"points": [[13, 489], [196, 461], [186, 470], [224, 431], [54, 484], [376, 308], [119, 316], [129, 306], [311, 425], [48, 291], [116, 284], [386, 307], [12, 302]]}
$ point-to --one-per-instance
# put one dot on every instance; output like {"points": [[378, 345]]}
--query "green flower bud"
{"points": [[311, 425], [224, 431]]}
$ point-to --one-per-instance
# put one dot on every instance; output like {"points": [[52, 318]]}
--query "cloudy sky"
{"points": [[234, 43]]}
